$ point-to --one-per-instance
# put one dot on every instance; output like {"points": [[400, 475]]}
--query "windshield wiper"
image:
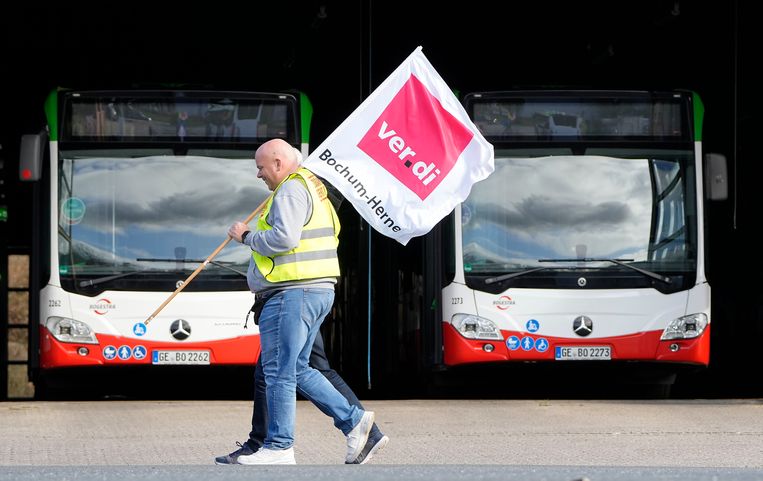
{"points": [[493, 280], [100, 280], [192, 261], [619, 262]]}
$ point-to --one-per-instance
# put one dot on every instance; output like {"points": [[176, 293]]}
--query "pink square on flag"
{"points": [[416, 139]]}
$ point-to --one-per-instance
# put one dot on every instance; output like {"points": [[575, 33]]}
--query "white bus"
{"points": [[133, 189], [587, 243]]}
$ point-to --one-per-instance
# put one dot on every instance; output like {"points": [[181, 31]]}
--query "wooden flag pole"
{"points": [[203, 265]]}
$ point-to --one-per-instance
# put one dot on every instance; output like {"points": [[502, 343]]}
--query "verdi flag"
{"points": [[407, 155]]}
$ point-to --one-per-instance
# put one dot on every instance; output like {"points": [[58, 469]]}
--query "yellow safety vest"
{"points": [[315, 256]]}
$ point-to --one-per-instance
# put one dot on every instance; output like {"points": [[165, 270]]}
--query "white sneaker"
{"points": [[269, 456], [357, 438]]}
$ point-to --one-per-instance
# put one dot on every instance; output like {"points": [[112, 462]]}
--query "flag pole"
{"points": [[203, 265]]}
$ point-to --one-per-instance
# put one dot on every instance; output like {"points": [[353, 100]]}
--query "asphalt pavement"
{"points": [[430, 439]]}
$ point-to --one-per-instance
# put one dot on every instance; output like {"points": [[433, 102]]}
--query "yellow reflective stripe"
{"points": [[320, 232], [318, 244], [305, 270], [304, 257]]}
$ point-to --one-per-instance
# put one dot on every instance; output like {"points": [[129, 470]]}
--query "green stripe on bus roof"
{"points": [[306, 117], [51, 112], [699, 116]]}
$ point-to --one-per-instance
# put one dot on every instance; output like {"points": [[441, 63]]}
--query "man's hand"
{"points": [[237, 230]]}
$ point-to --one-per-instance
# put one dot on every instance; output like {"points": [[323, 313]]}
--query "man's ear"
{"points": [[278, 164]]}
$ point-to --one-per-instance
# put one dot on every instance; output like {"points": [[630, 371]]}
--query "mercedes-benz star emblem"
{"points": [[180, 329], [582, 325]]}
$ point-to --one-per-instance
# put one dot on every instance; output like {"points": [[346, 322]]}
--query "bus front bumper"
{"points": [[643, 346], [242, 350]]}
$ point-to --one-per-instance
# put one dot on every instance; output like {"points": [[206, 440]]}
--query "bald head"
{"points": [[276, 160]]}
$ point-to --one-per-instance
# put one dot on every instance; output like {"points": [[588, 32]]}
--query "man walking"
{"points": [[293, 271]]}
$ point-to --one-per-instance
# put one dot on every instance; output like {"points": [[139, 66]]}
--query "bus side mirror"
{"points": [[716, 177], [30, 158]]}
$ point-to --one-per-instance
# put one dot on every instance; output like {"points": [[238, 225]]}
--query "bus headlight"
{"points": [[686, 327], [70, 330], [475, 327]]}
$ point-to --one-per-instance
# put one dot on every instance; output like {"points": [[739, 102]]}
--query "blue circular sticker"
{"points": [[541, 345], [124, 352], [73, 210], [109, 353], [139, 352]]}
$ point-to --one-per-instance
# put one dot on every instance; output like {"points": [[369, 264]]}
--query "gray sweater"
{"points": [[289, 212]]}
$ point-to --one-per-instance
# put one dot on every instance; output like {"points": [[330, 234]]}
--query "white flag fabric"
{"points": [[407, 155]]}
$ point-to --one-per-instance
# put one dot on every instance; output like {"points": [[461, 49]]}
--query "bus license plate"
{"points": [[583, 353], [180, 357]]}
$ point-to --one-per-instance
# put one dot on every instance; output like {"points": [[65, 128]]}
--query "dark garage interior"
{"points": [[338, 52]]}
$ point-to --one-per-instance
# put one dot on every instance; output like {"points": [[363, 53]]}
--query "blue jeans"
{"points": [[289, 323], [319, 361]]}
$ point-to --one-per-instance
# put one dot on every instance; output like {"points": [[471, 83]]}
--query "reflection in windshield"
{"points": [[116, 210], [576, 207]]}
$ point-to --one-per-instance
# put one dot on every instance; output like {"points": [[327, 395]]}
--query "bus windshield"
{"points": [[128, 212], [606, 204]]}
